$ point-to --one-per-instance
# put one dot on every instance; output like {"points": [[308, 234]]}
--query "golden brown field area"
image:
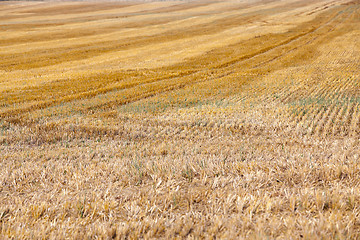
{"points": [[180, 119]]}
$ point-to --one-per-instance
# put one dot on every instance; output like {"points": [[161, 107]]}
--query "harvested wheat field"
{"points": [[235, 119]]}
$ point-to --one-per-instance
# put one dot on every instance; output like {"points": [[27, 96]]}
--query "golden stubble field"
{"points": [[180, 119]]}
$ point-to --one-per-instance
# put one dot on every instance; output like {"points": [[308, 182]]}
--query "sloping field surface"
{"points": [[180, 119]]}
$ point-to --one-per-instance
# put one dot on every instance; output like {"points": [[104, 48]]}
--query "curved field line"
{"points": [[197, 75]]}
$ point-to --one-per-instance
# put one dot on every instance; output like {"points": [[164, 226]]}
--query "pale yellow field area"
{"points": [[230, 119]]}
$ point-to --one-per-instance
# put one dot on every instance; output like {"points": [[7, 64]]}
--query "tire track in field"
{"points": [[150, 93], [308, 42], [177, 86], [298, 91], [194, 79], [229, 64]]}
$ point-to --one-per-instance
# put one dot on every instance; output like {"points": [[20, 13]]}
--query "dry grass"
{"points": [[200, 119]]}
